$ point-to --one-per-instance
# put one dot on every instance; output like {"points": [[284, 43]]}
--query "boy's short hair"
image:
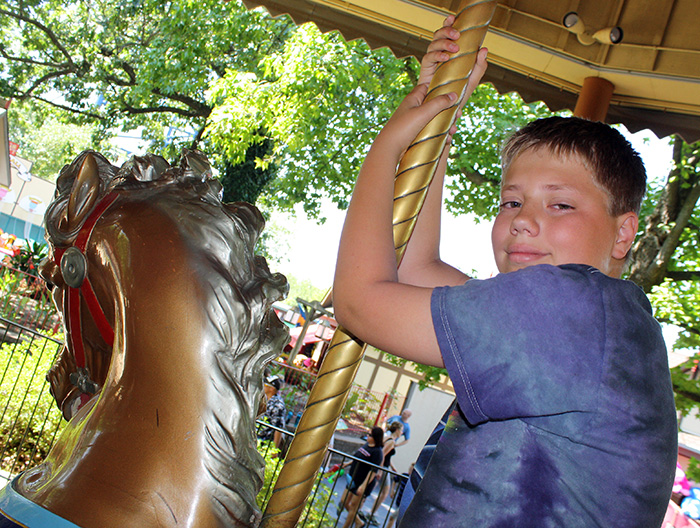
{"points": [[614, 164]]}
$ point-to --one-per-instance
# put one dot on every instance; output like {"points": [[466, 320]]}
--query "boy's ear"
{"points": [[627, 225]]}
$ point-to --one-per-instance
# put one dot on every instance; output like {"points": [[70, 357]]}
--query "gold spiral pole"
{"points": [[413, 177]]}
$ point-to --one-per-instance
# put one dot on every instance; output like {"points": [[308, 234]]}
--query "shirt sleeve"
{"points": [[523, 344]]}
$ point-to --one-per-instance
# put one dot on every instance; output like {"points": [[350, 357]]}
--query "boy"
{"points": [[565, 410]]}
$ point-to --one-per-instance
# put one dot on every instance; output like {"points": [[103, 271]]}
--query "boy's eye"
{"points": [[562, 206], [509, 204]]}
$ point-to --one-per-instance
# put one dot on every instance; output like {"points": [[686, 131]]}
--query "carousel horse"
{"points": [[169, 325]]}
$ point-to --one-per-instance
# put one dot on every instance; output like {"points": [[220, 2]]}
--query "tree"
{"points": [[130, 64], [246, 180], [320, 100], [665, 258], [214, 75], [667, 249]]}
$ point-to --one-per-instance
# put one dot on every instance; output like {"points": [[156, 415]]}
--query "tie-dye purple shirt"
{"points": [[566, 414]]}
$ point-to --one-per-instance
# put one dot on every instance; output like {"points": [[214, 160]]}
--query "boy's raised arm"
{"points": [[368, 298], [421, 264]]}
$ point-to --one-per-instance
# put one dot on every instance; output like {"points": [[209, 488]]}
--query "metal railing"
{"points": [[324, 509], [25, 300], [29, 418], [30, 422]]}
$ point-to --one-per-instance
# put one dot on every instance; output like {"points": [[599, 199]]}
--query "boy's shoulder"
{"points": [[542, 293], [563, 272], [549, 279]]}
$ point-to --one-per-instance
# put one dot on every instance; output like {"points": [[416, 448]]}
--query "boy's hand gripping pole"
{"points": [[413, 177]]}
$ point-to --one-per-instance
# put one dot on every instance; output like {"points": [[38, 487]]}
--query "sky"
{"points": [[464, 244]]}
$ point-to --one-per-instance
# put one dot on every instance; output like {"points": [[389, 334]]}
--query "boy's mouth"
{"points": [[522, 254]]}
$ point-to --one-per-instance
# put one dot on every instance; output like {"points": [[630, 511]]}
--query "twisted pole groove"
{"points": [[414, 174]]}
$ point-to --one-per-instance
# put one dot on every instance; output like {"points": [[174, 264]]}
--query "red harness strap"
{"points": [[72, 296]]}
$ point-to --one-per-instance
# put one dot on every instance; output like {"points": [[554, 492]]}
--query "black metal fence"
{"points": [[29, 418], [324, 509], [25, 300]]}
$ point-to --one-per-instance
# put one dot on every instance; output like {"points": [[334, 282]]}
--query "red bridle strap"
{"points": [[72, 296]]}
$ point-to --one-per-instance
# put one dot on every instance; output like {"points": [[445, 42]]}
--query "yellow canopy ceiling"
{"points": [[655, 68]]}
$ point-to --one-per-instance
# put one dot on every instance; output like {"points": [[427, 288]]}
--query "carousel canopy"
{"points": [[544, 49]]}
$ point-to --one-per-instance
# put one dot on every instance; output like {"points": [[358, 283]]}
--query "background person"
{"points": [[275, 411], [406, 428], [360, 473], [383, 479]]}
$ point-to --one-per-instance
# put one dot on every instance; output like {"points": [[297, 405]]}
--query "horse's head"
{"points": [[91, 194], [168, 317]]}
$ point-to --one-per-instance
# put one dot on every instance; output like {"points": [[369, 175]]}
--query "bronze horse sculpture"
{"points": [[169, 326]]}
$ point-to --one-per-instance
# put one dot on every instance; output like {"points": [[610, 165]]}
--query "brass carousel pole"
{"points": [[345, 352]]}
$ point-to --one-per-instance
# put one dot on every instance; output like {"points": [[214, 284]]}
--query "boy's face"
{"points": [[552, 212]]}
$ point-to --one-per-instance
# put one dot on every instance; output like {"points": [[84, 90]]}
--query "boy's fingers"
{"points": [[442, 45], [438, 104], [432, 58], [420, 91], [446, 33], [439, 49], [479, 66], [414, 98], [424, 112], [477, 73]]}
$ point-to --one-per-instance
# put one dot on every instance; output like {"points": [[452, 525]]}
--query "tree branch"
{"points": [[41, 80], [475, 177], [680, 222], [201, 109], [195, 142], [50, 34], [683, 275], [691, 396], [129, 70], [69, 108], [688, 328], [30, 61], [652, 252], [159, 110]]}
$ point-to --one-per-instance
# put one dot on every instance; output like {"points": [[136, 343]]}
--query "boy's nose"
{"points": [[525, 222]]}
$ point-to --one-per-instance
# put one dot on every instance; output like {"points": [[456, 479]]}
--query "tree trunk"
{"points": [[653, 251]]}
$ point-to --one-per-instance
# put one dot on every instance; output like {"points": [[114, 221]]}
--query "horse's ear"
{"points": [[84, 194]]}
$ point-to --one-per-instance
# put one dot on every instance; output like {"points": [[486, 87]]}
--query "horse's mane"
{"points": [[239, 291]]}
